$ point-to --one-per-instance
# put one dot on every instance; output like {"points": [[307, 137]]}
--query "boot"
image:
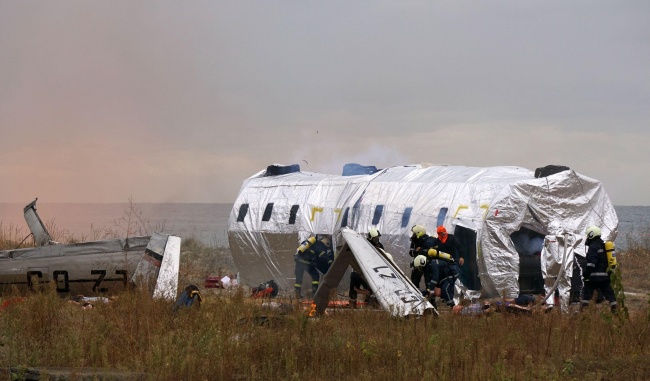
{"points": [[298, 294], [432, 300]]}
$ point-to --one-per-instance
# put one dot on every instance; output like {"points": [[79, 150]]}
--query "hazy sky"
{"points": [[180, 101]]}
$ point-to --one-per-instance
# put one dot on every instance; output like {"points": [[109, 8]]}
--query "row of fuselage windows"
{"points": [[376, 217]]}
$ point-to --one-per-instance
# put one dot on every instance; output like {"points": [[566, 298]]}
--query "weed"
{"points": [[233, 337]]}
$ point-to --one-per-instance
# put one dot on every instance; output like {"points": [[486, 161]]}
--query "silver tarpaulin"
{"points": [[496, 212]]}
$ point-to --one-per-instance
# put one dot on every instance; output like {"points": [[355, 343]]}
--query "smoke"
{"points": [[378, 155], [527, 242]]}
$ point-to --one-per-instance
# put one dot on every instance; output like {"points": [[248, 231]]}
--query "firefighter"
{"points": [[357, 283], [421, 242], [428, 268], [373, 237], [449, 270], [595, 275], [322, 254], [305, 261], [191, 296]]}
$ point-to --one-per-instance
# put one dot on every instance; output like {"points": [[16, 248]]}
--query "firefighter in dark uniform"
{"points": [[373, 237], [323, 255], [428, 268], [449, 270], [421, 242], [595, 274], [357, 283], [305, 261]]}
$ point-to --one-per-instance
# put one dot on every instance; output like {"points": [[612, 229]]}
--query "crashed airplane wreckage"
{"points": [[96, 267], [520, 230], [394, 291]]}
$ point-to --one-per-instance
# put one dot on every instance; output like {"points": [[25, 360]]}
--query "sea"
{"points": [[207, 223]]}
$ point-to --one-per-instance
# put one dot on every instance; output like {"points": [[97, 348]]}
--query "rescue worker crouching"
{"points": [[595, 274], [428, 269]]}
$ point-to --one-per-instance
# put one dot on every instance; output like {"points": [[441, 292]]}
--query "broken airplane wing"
{"points": [[394, 291]]}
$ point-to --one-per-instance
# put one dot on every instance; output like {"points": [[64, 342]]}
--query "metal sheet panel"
{"points": [[167, 283], [394, 291]]}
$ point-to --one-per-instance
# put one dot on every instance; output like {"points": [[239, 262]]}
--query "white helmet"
{"points": [[418, 231], [419, 262], [593, 232], [373, 233]]}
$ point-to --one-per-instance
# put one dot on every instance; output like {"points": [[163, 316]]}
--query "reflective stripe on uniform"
{"points": [[599, 274], [314, 282], [304, 261], [297, 285], [591, 265]]}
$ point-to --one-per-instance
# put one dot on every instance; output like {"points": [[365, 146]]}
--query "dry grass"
{"points": [[234, 337]]}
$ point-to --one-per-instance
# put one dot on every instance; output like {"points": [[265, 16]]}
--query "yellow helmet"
{"points": [[418, 231], [593, 232], [419, 262], [373, 233]]}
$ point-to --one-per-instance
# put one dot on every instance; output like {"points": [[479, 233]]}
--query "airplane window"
{"points": [[267, 212], [441, 216], [344, 220], [406, 217], [292, 214], [379, 209], [243, 209]]}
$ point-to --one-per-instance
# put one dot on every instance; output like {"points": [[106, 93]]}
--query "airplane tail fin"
{"points": [[36, 226]]}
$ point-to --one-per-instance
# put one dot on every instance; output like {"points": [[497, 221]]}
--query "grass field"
{"points": [[234, 337]]}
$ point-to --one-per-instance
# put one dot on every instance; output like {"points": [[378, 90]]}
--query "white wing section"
{"points": [[394, 291], [158, 268], [167, 283]]}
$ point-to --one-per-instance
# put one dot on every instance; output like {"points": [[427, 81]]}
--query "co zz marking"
{"points": [[62, 279]]}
